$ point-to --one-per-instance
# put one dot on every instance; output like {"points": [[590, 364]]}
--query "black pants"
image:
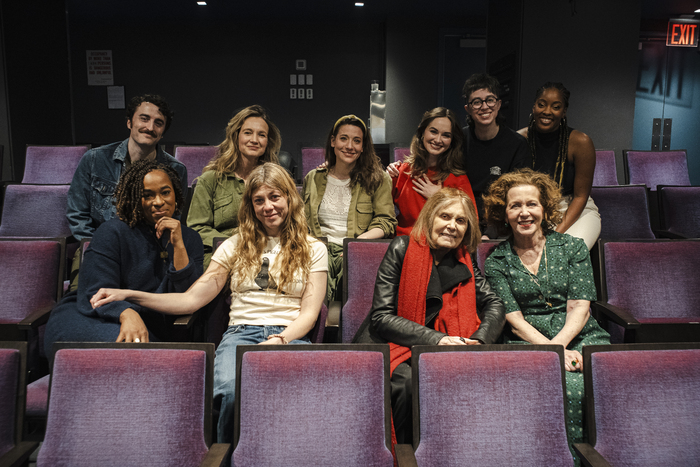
{"points": [[402, 403]]}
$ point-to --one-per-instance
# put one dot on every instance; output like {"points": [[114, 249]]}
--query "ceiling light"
{"points": [[202, 3], [359, 4]]}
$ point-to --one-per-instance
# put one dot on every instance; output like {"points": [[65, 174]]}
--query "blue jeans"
{"points": [[225, 370]]}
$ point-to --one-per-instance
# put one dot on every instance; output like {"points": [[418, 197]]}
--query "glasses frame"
{"points": [[483, 101]]}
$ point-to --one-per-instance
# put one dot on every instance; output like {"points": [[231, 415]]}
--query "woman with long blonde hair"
{"points": [[251, 139], [278, 280]]}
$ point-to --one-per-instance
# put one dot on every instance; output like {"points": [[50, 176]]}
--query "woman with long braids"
{"points": [[350, 198], [144, 248], [568, 156], [277, 274]]}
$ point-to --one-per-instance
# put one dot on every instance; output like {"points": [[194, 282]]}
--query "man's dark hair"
{"points": [[482, 81], [154, 99]]}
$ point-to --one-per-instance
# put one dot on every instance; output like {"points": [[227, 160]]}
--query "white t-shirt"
{"points": [[333, 210], [257, 304]]}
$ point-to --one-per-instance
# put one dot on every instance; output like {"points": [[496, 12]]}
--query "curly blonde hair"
{"points": [[450, 162], [228, 155], [295, 248], [496, 197], [440, 200]]}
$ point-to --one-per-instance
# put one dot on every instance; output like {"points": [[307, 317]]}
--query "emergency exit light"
{"points": [[682, 33]]}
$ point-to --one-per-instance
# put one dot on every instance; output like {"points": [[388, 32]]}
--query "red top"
{"points": [[410, 202]]}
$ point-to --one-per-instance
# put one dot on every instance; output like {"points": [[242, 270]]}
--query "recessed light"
{"points": [[697, 11], [359, 4], [202, 3]]}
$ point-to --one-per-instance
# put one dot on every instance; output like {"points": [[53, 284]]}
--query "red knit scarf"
{"points": [[458, 315]]}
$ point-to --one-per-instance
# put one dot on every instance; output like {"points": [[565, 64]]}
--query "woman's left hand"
{"points": [[424, 186], [272, 341], [168, 224], [105, 296], [573, 361]]}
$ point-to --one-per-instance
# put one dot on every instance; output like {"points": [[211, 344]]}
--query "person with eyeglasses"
{"points": [[568, 156], [490, 147]]}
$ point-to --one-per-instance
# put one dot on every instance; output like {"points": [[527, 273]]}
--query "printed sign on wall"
{"points": [[99, 68]]}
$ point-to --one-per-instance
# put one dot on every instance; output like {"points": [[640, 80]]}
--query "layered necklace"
{"points": [[534, 278]]}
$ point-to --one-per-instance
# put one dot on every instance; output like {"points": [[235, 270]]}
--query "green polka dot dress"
{"points": [[566, 275]]}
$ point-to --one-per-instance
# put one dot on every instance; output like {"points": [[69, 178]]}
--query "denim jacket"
{"points": [[91, 193]]}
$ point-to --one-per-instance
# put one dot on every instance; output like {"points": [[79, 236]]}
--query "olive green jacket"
{"points": [[214, 208], [366, 212]]}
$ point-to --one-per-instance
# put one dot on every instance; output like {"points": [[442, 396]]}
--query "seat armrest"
{"points": [[333, 313], [35, 319], [615, 314], [589, 456], [218, 455], [405, 457], [19, 454], [184, 320]]}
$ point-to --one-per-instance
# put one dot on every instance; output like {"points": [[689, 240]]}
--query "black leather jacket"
{"points": [[383, 324]]}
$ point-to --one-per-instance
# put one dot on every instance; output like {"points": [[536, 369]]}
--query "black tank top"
{"points": [[546, 154]]}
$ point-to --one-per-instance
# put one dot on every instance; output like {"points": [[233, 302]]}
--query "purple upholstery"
{"points": [[114, 407], [362, 259], [53, 165], [195, 159], [483, 251], [654, 281], [492, 408], [653, 168], [35, 211], [624, 212], [311, 158], [605, 170], [680, 208], [38, 397], [647, 407], [29, 279], [401, 153], [9, 378], [301, 408]]}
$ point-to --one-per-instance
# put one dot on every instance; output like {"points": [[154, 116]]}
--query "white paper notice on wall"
{"points": [[115, 97], [99, 68]]}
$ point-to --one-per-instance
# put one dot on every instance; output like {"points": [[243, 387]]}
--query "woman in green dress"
{"points": [[544, 278]]}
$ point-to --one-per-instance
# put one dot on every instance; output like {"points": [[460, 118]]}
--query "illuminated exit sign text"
{"points": [[682, 33]]}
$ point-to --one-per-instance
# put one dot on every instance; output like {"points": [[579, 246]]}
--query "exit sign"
{"points": [[682, 33]]}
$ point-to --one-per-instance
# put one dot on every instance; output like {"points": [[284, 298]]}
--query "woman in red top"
{"points": [[434, 162]]}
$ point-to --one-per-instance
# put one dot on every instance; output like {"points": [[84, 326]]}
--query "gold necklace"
{"points": [[534, 278]]}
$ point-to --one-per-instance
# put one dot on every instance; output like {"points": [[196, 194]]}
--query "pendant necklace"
{"points": [[536, 280]]}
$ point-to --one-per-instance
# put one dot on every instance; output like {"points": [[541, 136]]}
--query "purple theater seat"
{"points": [[679, 208], [13, 357], [400, 153], [643, 404], [311, 157], [652, 168], [489, 405], [624, 211], [52, 165], [362, 260], [195, 159], [35, 211], [132, 404], [655, 287], [483, 251], [307, 405], [605, 169]]}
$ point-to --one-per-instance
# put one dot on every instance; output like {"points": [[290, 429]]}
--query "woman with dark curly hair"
{"points": [[145, 248], [435, 161], [544, 278], [350, 198], [568, 156]]}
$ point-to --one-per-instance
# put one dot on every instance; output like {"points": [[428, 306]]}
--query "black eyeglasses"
{"points": [[477, 103]]}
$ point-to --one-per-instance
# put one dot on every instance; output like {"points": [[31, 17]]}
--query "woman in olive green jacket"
{"points": [[251, 139], [350, 198]]}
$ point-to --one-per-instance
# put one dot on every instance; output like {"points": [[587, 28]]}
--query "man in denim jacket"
{"points": [[90, 198]]}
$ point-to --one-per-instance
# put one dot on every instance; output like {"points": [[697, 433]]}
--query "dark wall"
{"points": [[594, 53], [38, 104]]}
